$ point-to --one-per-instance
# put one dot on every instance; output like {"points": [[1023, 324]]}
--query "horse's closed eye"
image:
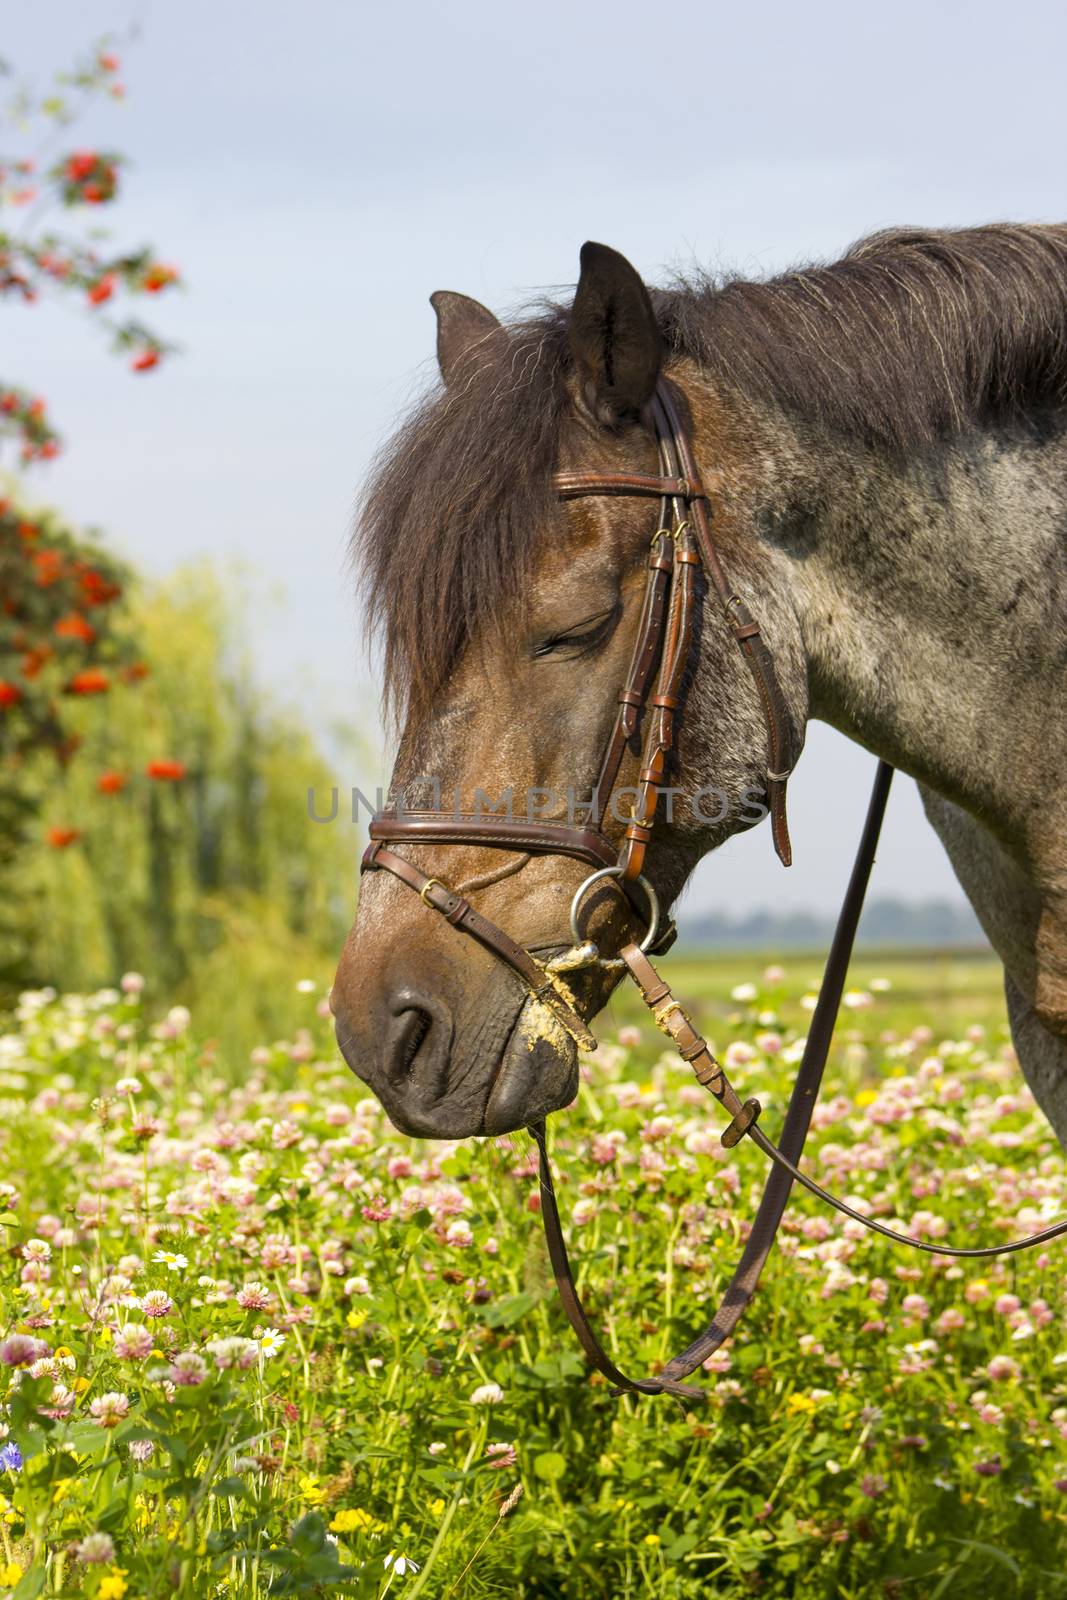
{"points": [[580, 639]]}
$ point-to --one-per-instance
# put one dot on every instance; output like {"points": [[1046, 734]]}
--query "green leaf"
{"points": [[550, 1465], [30, 1584], [555, 1369], [86, 1436], [309, 1534], [992, 1551], [8, 1219], [508, 1310], [229, 1486], [31, 1441]]}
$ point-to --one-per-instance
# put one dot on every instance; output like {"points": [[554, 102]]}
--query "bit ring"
{"points": [[616, 872]]}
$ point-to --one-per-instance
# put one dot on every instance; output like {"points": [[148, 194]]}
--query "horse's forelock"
{"points": [[456, 507]]}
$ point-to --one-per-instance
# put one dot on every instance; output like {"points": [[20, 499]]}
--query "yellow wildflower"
{"points": [[80, 1385], [437, 1507], [299, 1109], [798, 1403], [652, 1538], [313, 1492], [62, 1353], [10, 1574], [866, 1097], [113, 1586], [103, 1333], [60, 1489], [353, 1519], [355, 1319]]}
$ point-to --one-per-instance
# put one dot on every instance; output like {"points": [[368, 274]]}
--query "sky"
{"points": [[316, 171]]}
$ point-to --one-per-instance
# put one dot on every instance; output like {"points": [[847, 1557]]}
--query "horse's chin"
{"points": [[538, 1072]]}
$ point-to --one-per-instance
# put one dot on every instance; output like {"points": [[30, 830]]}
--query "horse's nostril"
{"points": [[416, 1042], [406, 1035]]}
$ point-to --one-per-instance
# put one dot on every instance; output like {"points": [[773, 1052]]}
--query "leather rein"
{"points": [[681, 545]]}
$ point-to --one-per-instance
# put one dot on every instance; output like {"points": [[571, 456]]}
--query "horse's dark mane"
{"points": [[911, 337]]}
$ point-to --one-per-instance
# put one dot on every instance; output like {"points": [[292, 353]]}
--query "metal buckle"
{"points": [[424, 891], [616, 872]]}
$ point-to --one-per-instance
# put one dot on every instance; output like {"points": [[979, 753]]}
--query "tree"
{"points": [[59, 642]]}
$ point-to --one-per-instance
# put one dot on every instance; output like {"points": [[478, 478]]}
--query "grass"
{"points": [[264, 1345], [949, 988]]}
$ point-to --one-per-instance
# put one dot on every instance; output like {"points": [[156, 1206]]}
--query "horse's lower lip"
{"points": [[530, 1080]]}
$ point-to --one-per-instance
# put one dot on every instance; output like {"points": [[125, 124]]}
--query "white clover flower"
{"points": [[487, 1394], [96, 1549], [744, 992], [306, 986], [109, 1410]]}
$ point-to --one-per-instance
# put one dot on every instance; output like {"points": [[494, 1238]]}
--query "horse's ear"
{"points": [[462, 325], [615, 339]]}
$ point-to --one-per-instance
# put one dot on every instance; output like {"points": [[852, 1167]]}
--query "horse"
{"points": [[882, 451]]}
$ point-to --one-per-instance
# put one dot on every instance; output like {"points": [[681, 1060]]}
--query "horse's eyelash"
{"points": [[582, 641]]}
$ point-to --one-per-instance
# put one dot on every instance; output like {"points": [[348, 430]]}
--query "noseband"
{"points": [[681, 544]]}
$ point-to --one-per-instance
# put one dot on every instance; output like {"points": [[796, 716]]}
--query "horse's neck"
{"points": [[932, 601]]}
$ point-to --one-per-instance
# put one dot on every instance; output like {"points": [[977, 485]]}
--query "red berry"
{"points": [[166, 771], [91, 681], [60, 838], [81, 165], [102, 290]]}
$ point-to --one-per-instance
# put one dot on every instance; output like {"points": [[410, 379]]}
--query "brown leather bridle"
{"points": [[681, 544]]}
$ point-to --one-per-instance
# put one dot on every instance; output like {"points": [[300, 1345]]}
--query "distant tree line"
{"points": [[886, 922]]}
